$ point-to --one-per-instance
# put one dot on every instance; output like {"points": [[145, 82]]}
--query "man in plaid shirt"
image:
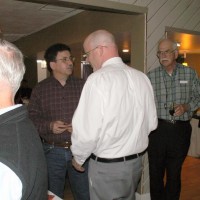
{"points": [[52, 105], [177, 95]]}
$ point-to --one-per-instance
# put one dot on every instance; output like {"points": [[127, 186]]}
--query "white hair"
{"points": [[174, 44], [12, 66]]}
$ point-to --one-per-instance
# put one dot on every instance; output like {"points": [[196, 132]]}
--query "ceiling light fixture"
{"points": [[125, 50]]}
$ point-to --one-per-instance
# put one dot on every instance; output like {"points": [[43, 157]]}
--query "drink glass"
{"points": [[172, 111]]}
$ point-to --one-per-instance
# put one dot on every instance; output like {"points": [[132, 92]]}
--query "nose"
{"points": [[87, 60]]}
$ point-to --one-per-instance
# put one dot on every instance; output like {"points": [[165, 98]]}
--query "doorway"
{"points": [[189, 49]]}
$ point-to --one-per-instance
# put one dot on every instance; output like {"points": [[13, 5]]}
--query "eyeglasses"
{"points": [[88, 53], [67, 59], [166, 53]]}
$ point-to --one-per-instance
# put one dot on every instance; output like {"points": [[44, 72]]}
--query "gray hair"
{"points": [[12, 66], [173, 43]]}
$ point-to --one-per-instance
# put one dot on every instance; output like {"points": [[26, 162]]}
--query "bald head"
{"points": [[99, 47], [100, 37]]}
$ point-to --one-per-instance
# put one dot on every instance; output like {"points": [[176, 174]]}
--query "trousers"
{"points": [[168, 147], [114, 181], [60, 168]]}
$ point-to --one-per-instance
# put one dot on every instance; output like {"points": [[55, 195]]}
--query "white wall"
{"points": [[183, 14]]}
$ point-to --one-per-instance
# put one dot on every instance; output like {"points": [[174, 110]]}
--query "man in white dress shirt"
{"points": [[115, 115], [23, 173]]}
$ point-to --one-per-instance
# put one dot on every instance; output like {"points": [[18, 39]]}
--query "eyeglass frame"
{"points": [[86, 54], [168, 52], [66, 59]]}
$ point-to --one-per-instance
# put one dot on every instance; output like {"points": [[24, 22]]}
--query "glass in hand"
{"points": [[172, 111]]}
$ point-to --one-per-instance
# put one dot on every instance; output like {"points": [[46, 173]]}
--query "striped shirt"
{"points": [[182, 87], [50, 101]]}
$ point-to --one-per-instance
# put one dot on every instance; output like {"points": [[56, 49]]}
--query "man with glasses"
{"points": [[52, 105], [116, 112], [177, 95]]}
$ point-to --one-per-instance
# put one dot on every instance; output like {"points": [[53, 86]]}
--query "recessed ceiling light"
{"points": [[125, 50]]}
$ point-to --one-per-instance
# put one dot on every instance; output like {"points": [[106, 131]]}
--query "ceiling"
{"points": [[20, 18]]}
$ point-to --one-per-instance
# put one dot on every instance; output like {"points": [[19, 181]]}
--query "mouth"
{"points": [[70, 68], [163, 60]]}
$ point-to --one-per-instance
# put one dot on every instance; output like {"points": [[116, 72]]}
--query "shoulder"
{"points": [[186, 70], [76, 79], [77, 82], [140, 78], [44, 83], [153, 71], [155, 74]]}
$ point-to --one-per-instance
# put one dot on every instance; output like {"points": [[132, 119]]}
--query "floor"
{"points": [[190, 181]]}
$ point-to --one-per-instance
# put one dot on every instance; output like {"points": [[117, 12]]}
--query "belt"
{"points": [[121, 159], [65, 145], [173, 121]]}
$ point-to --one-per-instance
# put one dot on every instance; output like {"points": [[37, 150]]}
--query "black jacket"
{"points": [[21, 150]]}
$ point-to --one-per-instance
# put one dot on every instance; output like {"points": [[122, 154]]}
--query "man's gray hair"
{"points": [[12, 66]]}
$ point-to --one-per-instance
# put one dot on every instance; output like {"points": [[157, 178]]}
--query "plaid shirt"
{"points": [[182, 87], [50, 101]]}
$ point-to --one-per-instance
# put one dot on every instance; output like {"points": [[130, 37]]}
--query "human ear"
{"points": [[176, 54], [52, 65]]}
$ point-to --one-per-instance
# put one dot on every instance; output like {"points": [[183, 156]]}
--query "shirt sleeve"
{"points": [[86, 123], [10, 184], [36, 113]]}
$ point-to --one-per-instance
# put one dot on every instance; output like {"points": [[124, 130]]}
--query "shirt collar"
{"points": [[7, 109], [112, 60], [174, 71]]}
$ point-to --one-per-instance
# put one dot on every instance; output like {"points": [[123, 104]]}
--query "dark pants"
{"points": [[168, 147], [59, 166], [79, 182]]}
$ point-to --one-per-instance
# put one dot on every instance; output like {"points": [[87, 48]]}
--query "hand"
{"points": [[77, 166], [69, 128], [58, 127], [180, 109]]}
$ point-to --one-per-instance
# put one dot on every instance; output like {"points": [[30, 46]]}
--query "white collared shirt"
{"points": [[116, 113]]}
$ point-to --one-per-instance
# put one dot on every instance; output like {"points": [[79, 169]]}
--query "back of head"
{"points": [[101, 37], [12, 67], [52, 51], [105, 42]]}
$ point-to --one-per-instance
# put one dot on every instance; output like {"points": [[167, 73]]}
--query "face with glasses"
{"points": [[63, 64], [93, 56], [167, 54]]}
